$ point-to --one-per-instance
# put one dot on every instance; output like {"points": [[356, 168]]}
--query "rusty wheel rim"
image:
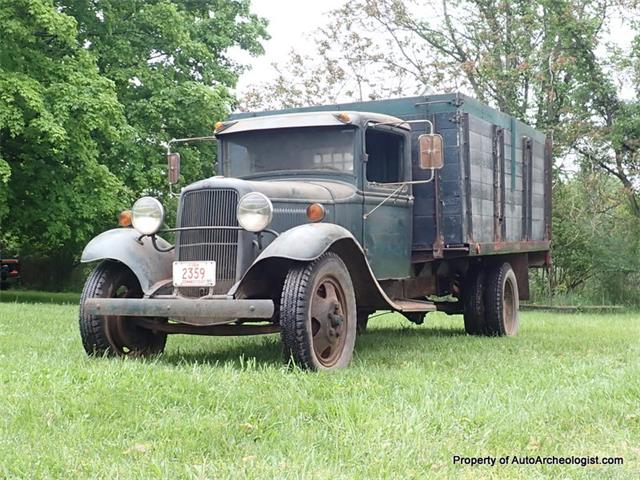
{"points": [[328, 316], [120, 330], [509, 308]]}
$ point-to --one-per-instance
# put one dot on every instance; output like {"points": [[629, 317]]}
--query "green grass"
{"points": [[34, 296], [413, 398]]}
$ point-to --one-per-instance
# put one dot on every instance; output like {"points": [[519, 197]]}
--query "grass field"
{"points": [[34, 296], [413, 398]]}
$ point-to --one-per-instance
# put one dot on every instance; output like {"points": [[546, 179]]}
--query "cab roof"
{"points": [[306, 119]]}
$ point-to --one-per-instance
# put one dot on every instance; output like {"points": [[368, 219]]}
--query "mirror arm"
{"points": [[395, 192], [187, 140]]}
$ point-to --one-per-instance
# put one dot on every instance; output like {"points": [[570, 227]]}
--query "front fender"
{"points": [[121, 244], [305, 243]]}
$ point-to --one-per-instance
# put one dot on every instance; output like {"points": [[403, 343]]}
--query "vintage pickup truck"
{"points": [[319, 217]]}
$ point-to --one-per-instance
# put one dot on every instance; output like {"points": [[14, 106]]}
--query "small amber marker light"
{"points": [[343, 117], [315, 212], [124, 218], [218, 126]]}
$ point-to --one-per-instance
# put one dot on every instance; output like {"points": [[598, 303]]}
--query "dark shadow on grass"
{"points": [[261, 350], [416, 332], [267, 351], [412, 341]]}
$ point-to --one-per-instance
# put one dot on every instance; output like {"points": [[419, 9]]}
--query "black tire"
{"points": [[473, 302], [113, 335], [318, 314], [501, 301]]}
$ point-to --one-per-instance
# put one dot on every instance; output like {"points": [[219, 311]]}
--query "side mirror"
{"points": [[431, 154], [173, 167]]}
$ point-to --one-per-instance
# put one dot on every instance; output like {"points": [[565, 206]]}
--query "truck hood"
{"points": [[309, 190]]}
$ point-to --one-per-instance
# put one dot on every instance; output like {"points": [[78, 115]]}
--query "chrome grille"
{"points": [[210, 208]]}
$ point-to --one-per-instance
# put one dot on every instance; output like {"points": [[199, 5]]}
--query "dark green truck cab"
{"points": [[321, 216]]}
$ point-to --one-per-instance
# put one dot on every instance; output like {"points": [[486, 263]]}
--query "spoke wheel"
{"points": [[115, 335], [328, 328], [318, 314]]}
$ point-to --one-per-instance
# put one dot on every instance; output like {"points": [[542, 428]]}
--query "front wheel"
{"points": [[318, 314], [115, 335]]}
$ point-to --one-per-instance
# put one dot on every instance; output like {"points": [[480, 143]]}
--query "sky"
{"points": [[291, 25], [293, 22]]}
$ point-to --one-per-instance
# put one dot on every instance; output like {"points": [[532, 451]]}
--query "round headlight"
{"points": [[147, 215], [254, 212]]}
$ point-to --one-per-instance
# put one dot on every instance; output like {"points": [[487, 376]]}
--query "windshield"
{"points": [[308, 148]]}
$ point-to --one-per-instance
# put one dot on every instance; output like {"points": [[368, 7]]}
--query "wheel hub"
{"points": [[328, 321]]}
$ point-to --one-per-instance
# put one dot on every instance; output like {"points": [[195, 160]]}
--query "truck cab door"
{"points": [[387, 231]]}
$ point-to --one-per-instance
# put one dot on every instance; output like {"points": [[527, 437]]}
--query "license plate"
{"points": [[194, 274]]}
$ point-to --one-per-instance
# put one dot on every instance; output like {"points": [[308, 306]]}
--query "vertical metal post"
{"points": [[465, 151], [499, 227], [527, 166], [548, 159]]}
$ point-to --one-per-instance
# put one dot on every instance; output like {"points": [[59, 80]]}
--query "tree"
{"points": [[56, 110], [91, 91], [171, 66], [596, 243]]}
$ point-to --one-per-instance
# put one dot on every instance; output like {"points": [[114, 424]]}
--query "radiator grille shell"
{"points": [[209, 208]]}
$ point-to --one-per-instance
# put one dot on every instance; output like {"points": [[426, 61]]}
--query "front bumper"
{"points": [[213, 311]]}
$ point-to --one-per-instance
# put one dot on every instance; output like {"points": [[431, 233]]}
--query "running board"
{"points": [[406, 305]]}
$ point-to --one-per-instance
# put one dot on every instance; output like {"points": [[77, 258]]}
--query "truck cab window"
{"points": [[384, 164], [319, 149]]}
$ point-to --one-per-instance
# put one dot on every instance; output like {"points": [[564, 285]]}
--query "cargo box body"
{"points": [[495, 185], [493, 194]]}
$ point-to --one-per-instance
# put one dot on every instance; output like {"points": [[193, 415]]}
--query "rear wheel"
{"points": [[473, 302], [318, 314], [115, 335], [501, 301]]}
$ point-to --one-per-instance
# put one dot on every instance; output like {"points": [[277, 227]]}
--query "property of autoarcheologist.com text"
{"points": [[491, 461]]}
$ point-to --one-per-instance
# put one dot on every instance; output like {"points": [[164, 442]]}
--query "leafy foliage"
{"points": [[91, 91], [55, 106], [596, 243], [169, 62]]}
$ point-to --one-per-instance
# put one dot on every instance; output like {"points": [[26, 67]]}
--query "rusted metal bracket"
{"points": [[438, 247]]}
